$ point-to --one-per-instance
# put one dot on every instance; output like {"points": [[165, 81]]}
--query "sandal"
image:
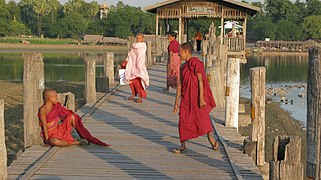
{"points": [[131, 98], [178, 151], [139, 101], [216, 146]]}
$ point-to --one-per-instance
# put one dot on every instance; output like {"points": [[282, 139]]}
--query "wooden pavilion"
{"points": [[183, 10]]}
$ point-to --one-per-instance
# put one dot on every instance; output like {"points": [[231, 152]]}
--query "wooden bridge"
{"points": [[142, 138]]}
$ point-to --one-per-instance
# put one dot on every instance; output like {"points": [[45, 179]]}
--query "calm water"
{"points": [[288, 73], [67, 67], [281, 71]]}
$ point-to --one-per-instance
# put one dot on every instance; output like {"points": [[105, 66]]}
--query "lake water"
{"points": [[288, 74], [58, 67], [281, 72]]}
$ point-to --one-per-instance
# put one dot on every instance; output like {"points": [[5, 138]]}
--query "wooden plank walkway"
{"points": [[142, 138]]}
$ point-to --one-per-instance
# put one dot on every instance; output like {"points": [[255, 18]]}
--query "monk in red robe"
{"points": [[136, 72], [54, 133], [196, 100], [173, 63]]}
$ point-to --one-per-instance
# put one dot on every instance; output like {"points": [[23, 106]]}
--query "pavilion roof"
{"points": [[249, 9]]}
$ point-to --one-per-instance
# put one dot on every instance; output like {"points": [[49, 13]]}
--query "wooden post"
{"points": [[109, 68], [90, 79], [313, 114], [244, 34], [180, 29], [157, 25], [67, 100], [286, 162], [222, 26], [33, 86], [149, 53], [3, 150], [232, 92], [257, 77]]}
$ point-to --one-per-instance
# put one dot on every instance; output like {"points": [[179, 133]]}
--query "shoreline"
{"points": [[277, 122]]}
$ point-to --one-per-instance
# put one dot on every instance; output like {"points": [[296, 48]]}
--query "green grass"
{"points": [[15, 40]]}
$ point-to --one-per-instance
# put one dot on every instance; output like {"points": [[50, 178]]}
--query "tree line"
{"points": [[277, 20], [285, 20], [73, 19]]}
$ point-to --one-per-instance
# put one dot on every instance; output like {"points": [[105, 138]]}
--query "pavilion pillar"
{"points": [[157, 26], [222, 27], [244, 34], [180, 29]]}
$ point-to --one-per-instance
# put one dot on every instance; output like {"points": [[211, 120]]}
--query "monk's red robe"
{"points": [[137, 87], [194, 121], [63, 131]]}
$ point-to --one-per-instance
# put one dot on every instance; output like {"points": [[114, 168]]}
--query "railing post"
{"points": [[232, 92], [257, 77], [3, 150], [90, 79], [33, 86], [109, 67], [286, 162], [313, 114], [149, 53], [68, 100]]}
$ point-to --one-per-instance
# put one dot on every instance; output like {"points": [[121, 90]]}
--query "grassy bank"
{"points": [[278, 122], [35, 40]]}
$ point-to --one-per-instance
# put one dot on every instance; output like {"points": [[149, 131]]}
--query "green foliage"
{"points": [[278, 20], [312, 26]]}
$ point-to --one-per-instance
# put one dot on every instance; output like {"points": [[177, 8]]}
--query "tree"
{"points": [[288, 31], [28, 16], [282, 9], [14, 11], [41, 8], [313, 7], [312, 26]]}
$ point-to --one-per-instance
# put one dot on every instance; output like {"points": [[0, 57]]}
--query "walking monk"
{"points": [[173, 63], [196, 100], [59, 134], [136, 72]]}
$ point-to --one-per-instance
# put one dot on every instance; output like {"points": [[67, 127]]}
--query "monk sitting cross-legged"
{"points": [[59, 134], [196, 100]]}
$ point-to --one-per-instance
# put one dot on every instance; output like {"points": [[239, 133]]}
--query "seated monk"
{"points": [[59, 134]]}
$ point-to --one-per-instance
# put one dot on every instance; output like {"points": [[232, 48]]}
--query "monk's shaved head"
{"points": [[47, 93], [187, 46]]}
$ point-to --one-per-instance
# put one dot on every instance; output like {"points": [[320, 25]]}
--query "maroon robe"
{"points": [[194, 121], [59, 111]]}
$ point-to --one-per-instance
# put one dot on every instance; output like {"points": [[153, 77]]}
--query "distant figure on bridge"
{"points": [[199, 38], [136, 72], [196, 101], [54, 133], [173, 62]]}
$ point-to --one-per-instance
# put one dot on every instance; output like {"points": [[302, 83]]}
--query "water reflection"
{"points": [[67, 67], [281, 71]]}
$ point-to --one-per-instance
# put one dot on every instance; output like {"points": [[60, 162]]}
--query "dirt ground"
{"points": [[12, 93], [278, 122]]}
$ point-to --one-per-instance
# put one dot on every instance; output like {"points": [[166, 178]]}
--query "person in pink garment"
{"points": [[136, 72]]}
